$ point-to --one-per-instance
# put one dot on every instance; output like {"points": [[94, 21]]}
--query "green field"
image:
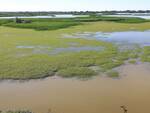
{"points": [[59, 23], [30, 54]]}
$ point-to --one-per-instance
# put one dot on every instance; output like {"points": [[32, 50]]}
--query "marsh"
{"points": [[81, 67]]}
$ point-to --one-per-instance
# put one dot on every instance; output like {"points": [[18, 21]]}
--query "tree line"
{"points": [[43, 13]]}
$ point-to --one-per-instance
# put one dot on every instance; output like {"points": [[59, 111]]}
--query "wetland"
{"points": [[90, 64]]}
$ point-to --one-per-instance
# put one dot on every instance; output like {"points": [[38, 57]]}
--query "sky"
{"points": [[73, 5]]}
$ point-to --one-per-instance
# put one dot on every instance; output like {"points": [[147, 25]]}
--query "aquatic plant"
{"points": [[56, 23], [35, 61], [80, 72], [113, 74], [132, 61]]}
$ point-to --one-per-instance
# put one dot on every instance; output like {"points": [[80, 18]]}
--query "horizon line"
{"points": [[74, 10]]}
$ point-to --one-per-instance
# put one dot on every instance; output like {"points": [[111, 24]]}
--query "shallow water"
{"points": [[97, 95], [47, 49], [129, 37], [32, 47], [130, 15], [56, 16], [76, 49], [136, 37]]}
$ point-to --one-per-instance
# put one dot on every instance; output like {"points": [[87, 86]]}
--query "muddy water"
{"points": [[97, 95]]}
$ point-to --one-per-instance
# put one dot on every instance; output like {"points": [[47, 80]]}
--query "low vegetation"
{"points": [[5, 21], [80, 72], [113, 74], [57, 23], [132, 61], [26, 53], [145, 56], [43, 25]]}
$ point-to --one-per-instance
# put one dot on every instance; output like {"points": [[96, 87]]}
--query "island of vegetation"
{"points": [[38, 48]]}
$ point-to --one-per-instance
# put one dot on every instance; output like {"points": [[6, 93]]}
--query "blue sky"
{"points": [[73, 5]]}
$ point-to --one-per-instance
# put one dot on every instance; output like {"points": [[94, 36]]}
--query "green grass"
{"points": [[4, 21], [132, 61], [113, 74], [43, 25], [24, 63], [112, 19], [54, 24], [126, 19], [36, 62], [145, 56], [80, 72]]}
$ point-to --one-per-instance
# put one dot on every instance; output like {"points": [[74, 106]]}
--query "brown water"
{"points": [[97, 95]]}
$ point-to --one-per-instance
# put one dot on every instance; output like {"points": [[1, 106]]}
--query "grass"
{"points": [[4, 21], [80, 72], [145, 56], [43, 25], [24, 63], [113, 74], [132, 61], [126, 19], [54, 24], [36, 62]]}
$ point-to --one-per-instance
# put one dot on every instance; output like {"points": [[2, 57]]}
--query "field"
{"points": [[58, 23], [30, 54]]}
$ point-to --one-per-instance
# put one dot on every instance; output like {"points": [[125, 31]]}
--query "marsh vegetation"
{"points": [[81, 64], [58, 23], [29, 54]]}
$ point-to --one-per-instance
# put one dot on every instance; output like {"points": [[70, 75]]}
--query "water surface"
{"points": [[55, 16], [54, 51], [76, 49], [97, 95], [129, 37], [130, 15]]}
